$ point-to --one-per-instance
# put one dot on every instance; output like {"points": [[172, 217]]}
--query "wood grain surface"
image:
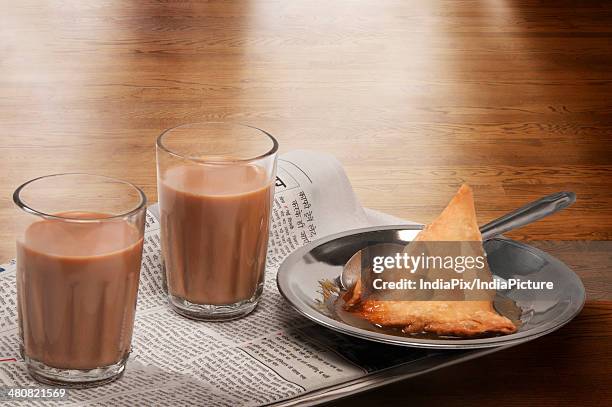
{"points": [[413, 97], [570, 367]]}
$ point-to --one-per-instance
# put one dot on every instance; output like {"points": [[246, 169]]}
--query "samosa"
{"points": [[462, 318]]}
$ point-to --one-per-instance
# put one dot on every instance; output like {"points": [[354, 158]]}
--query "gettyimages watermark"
{"points": [[445, 271]]}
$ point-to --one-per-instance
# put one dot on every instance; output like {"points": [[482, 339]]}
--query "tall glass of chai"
{"points": [[79, 250], [215, 185]]}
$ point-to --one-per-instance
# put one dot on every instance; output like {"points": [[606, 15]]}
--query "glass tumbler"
{"points": [[215, 184], [79, 250]]}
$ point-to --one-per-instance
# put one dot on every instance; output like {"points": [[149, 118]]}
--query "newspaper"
{"points": [[271, 356]]}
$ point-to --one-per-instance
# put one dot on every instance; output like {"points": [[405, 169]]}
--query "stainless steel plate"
{"points": [[300, 274]]}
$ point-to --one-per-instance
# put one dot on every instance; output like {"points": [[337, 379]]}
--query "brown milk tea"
{"points": [[215, 223], [77, 286]]}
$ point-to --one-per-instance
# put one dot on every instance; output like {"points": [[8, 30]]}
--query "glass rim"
{"points": [[216, 160], [28, 209]]}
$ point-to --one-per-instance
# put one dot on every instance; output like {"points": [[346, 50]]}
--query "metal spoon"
{"points": [[522, 216]]}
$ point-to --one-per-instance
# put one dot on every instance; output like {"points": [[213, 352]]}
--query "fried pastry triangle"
{"points": [[449, 318]]}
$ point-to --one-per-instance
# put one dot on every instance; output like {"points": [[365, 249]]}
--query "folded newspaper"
{"points": [[273, 356]]}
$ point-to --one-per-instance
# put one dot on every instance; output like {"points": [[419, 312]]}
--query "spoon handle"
{"points": [[527, 214]]}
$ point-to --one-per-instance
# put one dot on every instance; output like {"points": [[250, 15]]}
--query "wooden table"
{"points": [[413, 97]]}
